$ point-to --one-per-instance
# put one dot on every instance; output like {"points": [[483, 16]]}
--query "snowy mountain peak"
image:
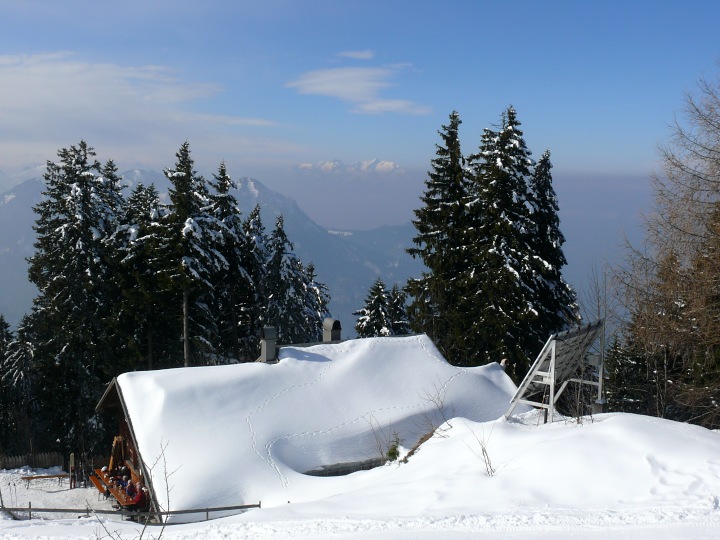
{"points": [[338, 166]]}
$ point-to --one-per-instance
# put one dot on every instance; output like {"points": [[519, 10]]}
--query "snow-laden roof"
{"points": [[240, 434]]}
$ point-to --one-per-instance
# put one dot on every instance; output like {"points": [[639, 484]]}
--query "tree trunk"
{"points": [[186, 329], [235, 330], [150, 349]]}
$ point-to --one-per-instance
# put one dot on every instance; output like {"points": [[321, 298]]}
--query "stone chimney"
{"points": [[268, 340], [331, 330]]}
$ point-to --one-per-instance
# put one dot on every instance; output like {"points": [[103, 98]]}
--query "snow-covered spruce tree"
{"points": [[375, 319], [512, 288], [440, 222], [6, 397], [233, 283], [145, 329], [555, 300], [291, 304], [70, 314], [5, 336], [495, 296], [16, 374], [188, 244], [315, 305], [252, 305], [397, 304]]}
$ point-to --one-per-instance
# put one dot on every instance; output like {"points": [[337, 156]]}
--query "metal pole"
{"points": [[600, 405], [552, 382]]}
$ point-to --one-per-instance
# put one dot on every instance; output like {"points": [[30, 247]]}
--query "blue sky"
{"points": [[275, 88]]}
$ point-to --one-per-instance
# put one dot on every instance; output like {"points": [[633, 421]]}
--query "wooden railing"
{"points": [[41, 460], [89, 511]]}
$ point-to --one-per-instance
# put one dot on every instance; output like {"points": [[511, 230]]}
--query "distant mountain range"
{"points": [[346, 261]]}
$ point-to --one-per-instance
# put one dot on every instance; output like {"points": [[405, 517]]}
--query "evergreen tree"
{"points": [[16, 375], [440, 223], [253, 304], [232, 283], [489, 236], [375, 318], [497, 296], [5, 336], [189, 246], [315, 303], [554, 300], [397, 305], [143, 325], [291, 304], [70, 269], [7, 404]]}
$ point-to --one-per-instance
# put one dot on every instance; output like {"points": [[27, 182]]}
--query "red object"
{"points": [[140, 499]]}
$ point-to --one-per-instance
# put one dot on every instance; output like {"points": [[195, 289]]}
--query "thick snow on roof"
{"points": [[240, 434]]}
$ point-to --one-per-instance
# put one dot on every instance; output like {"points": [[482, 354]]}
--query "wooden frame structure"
{"points": [[124, 450], [563, 359]]}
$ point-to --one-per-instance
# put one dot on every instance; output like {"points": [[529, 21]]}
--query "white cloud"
{"points": [[130, 113], [401, 106], [367, 54], [358, 86]]}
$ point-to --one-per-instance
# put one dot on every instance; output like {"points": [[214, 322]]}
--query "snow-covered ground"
{"points": [[610, 476]]}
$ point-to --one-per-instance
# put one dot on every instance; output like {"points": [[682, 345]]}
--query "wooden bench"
{"points": [[99, 484], [60, 478]]}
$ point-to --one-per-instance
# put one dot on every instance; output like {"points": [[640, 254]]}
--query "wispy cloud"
{"points": [[360, 86], [367, 54], [48, 101]]}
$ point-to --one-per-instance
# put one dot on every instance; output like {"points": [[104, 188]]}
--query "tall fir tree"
{"points": [[496, 294], [253, 304], [145, 328], [489, 236], [554, 300], [7, 404], [440, 223], [6, 337], [232, 282], [17, 372], [291, 305], [70, 269], [189, 245]]}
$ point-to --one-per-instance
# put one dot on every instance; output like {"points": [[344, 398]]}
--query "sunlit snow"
{"points": [[257, 428]]}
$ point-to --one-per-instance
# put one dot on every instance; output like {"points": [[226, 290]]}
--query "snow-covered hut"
{"points": [[220, 436]]}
